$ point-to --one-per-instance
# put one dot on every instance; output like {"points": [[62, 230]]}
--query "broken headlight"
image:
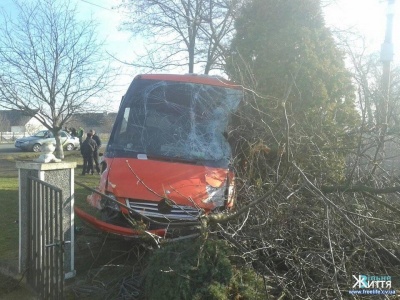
{"points": [[111, 204], [216, 195]]}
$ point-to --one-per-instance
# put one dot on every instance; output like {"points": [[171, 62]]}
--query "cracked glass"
{"points": [[176, 120]]}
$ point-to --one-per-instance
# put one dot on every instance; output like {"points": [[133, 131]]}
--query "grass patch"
{"points": [[9, 218], [92, 249], [9, 198], [7, 184]]}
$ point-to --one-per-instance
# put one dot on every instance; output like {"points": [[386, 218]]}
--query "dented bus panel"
{"points": [[167, 161]]}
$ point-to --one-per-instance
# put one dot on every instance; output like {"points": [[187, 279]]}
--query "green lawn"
{"points": [[9, 218], [10, 288], [9, 198]]}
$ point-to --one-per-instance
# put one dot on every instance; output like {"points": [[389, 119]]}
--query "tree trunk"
{"points": [[59, 153]]}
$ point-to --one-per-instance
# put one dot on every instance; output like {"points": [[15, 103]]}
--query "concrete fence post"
{"points": [[61, 175]]}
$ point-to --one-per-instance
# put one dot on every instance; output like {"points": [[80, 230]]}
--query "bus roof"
{"points": [[192, 78]]}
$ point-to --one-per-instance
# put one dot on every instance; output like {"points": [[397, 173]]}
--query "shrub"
{"points": [[199, 269]]}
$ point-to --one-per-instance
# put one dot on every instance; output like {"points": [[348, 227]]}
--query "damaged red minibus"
{"points": [[167, 161]]}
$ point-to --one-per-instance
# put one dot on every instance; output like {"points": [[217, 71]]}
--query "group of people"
{"points": [[90, 153], [89, 149], [75, 133]]}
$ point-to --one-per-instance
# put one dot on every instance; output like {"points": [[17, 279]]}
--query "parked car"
{"points": [[34, 142]]}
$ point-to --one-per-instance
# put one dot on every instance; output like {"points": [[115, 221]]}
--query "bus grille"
{"points": [[177, 213]]}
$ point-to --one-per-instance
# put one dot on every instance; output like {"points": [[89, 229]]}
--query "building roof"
{"points": [[15, 117], [101, 122]]}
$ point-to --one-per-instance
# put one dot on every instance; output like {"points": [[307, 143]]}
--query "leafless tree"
{"points": [[188, 32], [52, 63]]}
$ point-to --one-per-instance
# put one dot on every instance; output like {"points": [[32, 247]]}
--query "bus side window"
{"points": [[125, 120]]}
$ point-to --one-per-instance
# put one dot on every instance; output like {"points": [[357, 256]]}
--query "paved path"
{"points": [[8, 148]]}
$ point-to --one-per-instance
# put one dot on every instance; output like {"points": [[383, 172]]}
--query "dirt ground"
{"points": [[106, 268]]}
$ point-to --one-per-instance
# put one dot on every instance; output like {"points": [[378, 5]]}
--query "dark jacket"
{"points": [[88, 147], [97, 140]]}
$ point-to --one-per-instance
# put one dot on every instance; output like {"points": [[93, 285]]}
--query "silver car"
{"points": [[34, 142]]}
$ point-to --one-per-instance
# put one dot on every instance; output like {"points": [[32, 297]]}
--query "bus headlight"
{"points": [[111, 204], [216, 195]]}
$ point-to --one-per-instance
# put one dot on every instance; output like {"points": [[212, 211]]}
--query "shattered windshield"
{"points": [[176, 120]]}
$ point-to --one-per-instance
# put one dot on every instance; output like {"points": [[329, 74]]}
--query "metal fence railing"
{"points": [[45, 272], [10, 137]]}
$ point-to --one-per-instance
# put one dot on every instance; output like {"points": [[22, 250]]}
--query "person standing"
{"points": [[80, 135], [88, 148], [96, 138], [73, 132]]}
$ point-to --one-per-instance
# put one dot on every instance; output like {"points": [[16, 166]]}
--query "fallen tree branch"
{"points": [[224, 217], [387, 205], [358, 189], [346, 218]]}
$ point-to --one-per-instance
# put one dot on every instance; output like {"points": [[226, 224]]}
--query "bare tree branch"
{"points": [[196, 32], [51, 63]]}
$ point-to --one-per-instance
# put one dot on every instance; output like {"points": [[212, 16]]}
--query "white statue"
{"points": [[47, 154]]}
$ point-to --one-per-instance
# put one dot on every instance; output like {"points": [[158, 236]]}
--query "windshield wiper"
{"points": [[174, 159]]}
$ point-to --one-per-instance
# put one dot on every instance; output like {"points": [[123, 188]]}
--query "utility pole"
{"points": [[382, 109], [386, 59]]}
